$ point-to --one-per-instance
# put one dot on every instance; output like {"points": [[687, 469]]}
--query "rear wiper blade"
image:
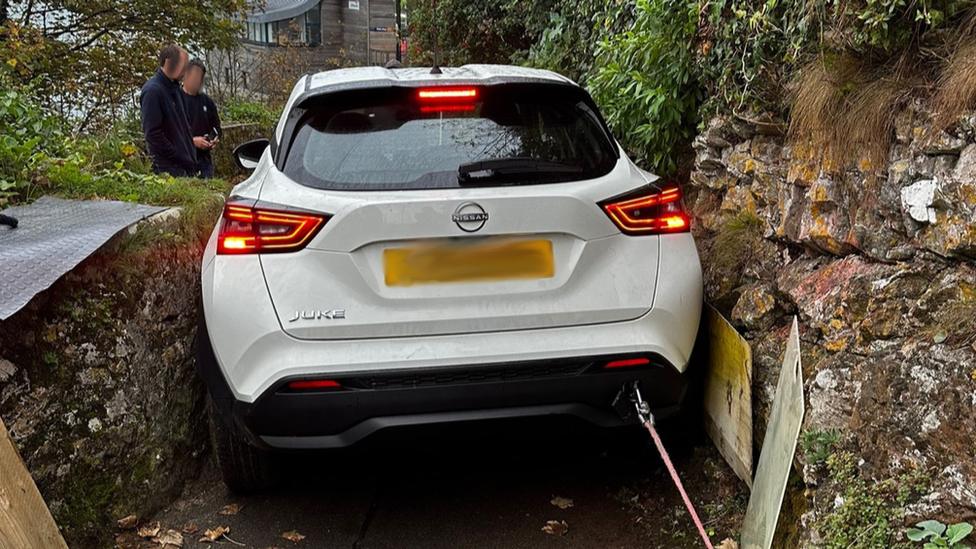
{"points": [[500, 167]]}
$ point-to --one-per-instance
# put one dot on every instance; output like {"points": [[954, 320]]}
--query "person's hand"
{"points": [[201, 142]]}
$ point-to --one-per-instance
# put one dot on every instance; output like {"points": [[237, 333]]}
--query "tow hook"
{"points": [[631, 406]]}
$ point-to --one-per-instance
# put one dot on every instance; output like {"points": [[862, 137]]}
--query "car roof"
{"points": [[373, 77], [361, 78]]}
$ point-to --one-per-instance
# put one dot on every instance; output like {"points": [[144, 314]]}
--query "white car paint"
{"points": [[612, 293]]}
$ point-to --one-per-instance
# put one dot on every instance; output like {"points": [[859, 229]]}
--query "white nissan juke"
{"points": [[420, 246]]}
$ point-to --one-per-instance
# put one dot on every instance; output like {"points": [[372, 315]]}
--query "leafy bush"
{"points": [[37, 156], [646, 84], [249, 112], [490, 31], [934, 534], [569, 38]]}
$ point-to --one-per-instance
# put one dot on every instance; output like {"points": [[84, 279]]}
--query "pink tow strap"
{"points": [[677, 482]]}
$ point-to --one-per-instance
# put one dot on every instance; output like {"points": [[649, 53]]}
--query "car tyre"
{"points": [[245, 469]]}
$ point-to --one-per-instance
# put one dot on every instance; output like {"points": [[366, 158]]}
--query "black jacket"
{"points": [[165, 126], [202, 114]]}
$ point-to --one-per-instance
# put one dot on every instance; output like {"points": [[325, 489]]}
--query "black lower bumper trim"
{"points": [[577, 387]]}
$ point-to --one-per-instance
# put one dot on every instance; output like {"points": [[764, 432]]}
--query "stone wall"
{"points": [[880, 267], [97, 384]]}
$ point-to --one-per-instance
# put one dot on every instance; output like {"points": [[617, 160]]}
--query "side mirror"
{"points": [[249, 154]]}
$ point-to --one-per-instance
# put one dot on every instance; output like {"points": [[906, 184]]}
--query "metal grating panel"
{"points": [[54, 236]]}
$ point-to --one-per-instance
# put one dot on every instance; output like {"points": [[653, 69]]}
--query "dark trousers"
{"points": [[206, 168], [175, 171]]}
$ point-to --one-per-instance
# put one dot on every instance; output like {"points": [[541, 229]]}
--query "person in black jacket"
{"points": [[202, 113], [164, 120]]}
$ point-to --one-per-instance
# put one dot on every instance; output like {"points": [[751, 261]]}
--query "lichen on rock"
{"points": [[879, 266], [97, 386]]}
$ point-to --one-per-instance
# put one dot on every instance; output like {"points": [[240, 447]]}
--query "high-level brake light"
{"points": [[246, 229], [445, 93], [656, 212]]}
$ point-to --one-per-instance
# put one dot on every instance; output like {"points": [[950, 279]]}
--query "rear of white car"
{"points": [[418, 248]]}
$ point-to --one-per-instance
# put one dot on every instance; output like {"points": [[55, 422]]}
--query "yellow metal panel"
{"points": [[728, 393]]}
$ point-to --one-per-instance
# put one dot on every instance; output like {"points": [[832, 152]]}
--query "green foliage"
{"points": [[867, 512], [646, 84], [569, 38], [748, 48], [249, 112], [934, 534], [91, 57], [889, 25], [656, 67], [38, 157], [818, 445], [461, 31]]}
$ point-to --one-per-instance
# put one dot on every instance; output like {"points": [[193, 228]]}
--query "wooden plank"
{"points": [[779, 447], [728, 393], [25, 520]]}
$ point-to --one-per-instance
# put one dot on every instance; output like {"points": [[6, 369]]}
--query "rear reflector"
{"points": [[447, 94], [245, 229], [654, 212], [627, 363], [313, 384]]}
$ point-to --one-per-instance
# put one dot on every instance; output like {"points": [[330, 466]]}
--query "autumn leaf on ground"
{"points": [[213, 534], [190, 528], [562, 503], [231, 509], [292, 536], [128, 522], [727, 543], [148, 530], [169, 538], [556, 527]]}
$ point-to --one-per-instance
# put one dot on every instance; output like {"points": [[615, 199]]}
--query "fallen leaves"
{"points": [[230, 509], [562, 503], [148, 530], [169, 538], [727, 543], [292, 536], [556, 527], [213, 534], [190, 528], [128, 522]]}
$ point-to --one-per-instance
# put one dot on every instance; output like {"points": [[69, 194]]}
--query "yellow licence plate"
{"points": [[464, 262]]}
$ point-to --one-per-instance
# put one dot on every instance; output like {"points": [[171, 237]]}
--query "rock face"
{"points": [[98, 390], [880, 267]]}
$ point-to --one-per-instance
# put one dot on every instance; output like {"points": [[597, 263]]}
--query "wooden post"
{"points": [[25, 521]]}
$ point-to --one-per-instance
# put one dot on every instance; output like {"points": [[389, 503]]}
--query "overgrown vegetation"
{"points": [[867, 514], [88, 59], [38, 157], [249, 112], [838, 70], [818, 445]]}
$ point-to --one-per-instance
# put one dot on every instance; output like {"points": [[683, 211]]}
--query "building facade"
{"points": [[353, 32]]}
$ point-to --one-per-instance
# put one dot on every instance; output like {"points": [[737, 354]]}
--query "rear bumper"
{"points": [[370, 402]]}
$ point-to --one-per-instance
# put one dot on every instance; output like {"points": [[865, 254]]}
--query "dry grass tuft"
{"points": [[956, 92], [843, 112]]}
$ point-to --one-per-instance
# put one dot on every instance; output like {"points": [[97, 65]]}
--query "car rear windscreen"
{"points": [[404, 138]]}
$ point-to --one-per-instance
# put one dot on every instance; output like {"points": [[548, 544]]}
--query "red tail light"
{"points": [[314, 385], [446, 93], [627, 363], [655, 212], [247, 229]]}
